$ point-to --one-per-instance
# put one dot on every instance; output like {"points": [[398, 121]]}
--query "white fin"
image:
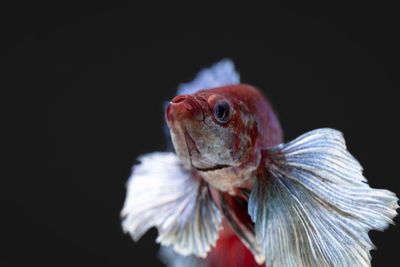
{"points": [[173, 259], [220, 74], [161, 194], [313, 206]]}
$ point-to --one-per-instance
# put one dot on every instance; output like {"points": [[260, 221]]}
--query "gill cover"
{"points": [[312, 206]]}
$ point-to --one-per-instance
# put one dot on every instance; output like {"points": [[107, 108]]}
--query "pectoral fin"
{"points": [[312, 206], [161, 193]]}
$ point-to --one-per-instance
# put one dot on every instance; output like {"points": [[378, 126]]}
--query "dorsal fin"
{"points": [[219, 74]]}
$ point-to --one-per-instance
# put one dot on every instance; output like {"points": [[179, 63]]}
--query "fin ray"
{"points": [[313, 207], [219, 74], [161, 194], [234, 209]]}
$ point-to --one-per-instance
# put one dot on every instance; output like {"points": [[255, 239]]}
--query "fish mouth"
{"points": [[184, 107], [213, 168]]}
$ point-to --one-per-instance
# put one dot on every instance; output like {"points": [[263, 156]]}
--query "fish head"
{"points": [[214, 133]]}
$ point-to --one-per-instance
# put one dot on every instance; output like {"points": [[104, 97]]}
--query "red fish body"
{"points": [[233, 194], [230, 251]]}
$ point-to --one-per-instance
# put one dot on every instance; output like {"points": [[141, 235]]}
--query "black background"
{"points": [[88, 84]]}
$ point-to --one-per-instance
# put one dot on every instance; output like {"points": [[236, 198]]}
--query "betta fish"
{"points": [[234, 194]]}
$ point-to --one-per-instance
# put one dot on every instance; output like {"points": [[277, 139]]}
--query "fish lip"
{"points": [[192, 106], [213, 168]]}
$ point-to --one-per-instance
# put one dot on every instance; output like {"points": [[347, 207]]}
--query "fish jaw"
{"points": [[230, 178], [181, 111]]}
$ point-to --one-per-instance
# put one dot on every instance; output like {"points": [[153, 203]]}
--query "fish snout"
{"points": [[184, 107]]}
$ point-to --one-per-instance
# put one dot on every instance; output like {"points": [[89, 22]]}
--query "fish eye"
{"points": [[222, 111]]}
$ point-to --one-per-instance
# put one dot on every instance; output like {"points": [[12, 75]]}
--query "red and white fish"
{"points": [[233, 194]]}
